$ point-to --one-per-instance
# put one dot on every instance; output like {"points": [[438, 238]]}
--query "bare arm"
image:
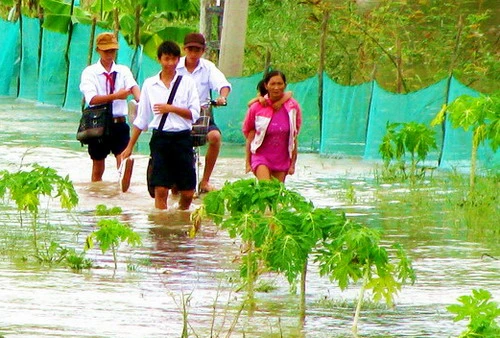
{"points": [[291, 170], [252, 101], [136, 132], [162, 108], [121, 94], [248, 153], [223, 94], [136, 91], [286, 96]]}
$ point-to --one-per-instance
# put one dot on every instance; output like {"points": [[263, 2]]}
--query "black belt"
{"points": [[119, 119]]}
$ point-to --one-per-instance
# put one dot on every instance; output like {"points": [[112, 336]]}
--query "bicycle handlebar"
{"points": [[215, 104]]}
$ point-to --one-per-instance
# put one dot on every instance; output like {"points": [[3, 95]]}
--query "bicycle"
{"points": [[199, 135]]}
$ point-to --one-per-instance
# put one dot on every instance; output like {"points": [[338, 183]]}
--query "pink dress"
{"points": [[273, 153]]}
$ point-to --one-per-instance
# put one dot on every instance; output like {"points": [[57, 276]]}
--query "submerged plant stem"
{"points": [[360, 302], [303, 295]]}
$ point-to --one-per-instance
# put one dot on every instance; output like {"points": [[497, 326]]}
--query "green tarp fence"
{"points": [[45, 66], [9, 58]]}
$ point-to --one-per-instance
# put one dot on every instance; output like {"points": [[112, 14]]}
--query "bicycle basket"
{"points": [[200, 127]]}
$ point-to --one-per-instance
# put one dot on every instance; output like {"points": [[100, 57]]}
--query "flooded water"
{"points": [[171, 274]]}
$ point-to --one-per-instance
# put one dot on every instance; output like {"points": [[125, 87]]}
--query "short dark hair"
{"points": [[273, 73], [168, 48]]}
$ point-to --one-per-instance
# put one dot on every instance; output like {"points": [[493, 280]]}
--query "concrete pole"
{"points": [[203, 17], [234, 27]]}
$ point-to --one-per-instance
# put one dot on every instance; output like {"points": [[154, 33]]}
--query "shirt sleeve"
{"points": [[144, 113], [88, 85], [193, 100], [249, 121], [217, 79], [128, 78]]}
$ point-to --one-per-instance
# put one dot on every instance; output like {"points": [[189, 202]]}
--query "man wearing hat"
{"points": [[207, 77], [107, 82]]}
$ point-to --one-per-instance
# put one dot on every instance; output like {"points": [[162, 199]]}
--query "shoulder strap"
{"points": [[169, 101]]}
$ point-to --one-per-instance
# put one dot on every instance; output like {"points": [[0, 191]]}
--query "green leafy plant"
{"points": [[27, 188], [480, 311], [403, 139], [357, 254], [280, 231], [103, 210], [77, 261], [481, 115], [110, 235]]}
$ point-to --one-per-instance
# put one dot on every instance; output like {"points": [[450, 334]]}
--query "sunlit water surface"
{"points": [[146, 294]]}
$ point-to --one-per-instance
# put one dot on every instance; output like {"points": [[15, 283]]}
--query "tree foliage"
{"points": [[405, 45]]}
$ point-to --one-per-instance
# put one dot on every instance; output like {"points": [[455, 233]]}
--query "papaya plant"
{"points": [[110, 235], [479, 114], [403, 139], [27, 188], [103, 210], [280, 231], [481, 312]]}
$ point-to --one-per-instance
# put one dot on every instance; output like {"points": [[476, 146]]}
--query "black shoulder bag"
{"points": [[95, 122], [149, 171]]}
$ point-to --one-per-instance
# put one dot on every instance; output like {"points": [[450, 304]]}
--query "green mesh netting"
{"points": [[53, 68], [78, 54], [30, 46], [345, 118], [420, 106], [306, 93], [354, 117], [457, 145], [9, 58]]}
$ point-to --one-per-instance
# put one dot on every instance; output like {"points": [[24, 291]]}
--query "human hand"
{"points": [[122, 94], [291, 170], [162, 108], [277, 105], [221, 101], [248, 168], [126, 153]]}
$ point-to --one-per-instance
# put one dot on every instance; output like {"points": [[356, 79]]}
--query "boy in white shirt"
{"points": [[207, 77], [107, 82], [172, 146]]}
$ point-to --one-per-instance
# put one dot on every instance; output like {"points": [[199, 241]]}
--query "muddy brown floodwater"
{"points": [[145, 295]]}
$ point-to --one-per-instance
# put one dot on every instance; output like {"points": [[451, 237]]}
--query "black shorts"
{"points": [[212, 125], [115, 143], [173, 160]]}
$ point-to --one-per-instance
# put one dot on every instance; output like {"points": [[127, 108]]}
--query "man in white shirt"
{"points": [[107, 82], [207, 77], [171, 145]]}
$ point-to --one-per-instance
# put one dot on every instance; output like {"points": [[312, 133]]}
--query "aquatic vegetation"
{"points": [[103, 210], [479, 114], [26, 189], [77, 260], [480, 311], [281, 231], [403, 139], [110, 234]]}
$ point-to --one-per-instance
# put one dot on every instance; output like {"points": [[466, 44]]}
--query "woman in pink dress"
{"points": [[271, 134]]}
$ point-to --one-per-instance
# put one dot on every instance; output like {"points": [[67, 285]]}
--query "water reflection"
{"points": [[144, 299]]}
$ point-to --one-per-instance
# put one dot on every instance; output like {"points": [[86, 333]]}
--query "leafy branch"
{"points": [[281, 230]]}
